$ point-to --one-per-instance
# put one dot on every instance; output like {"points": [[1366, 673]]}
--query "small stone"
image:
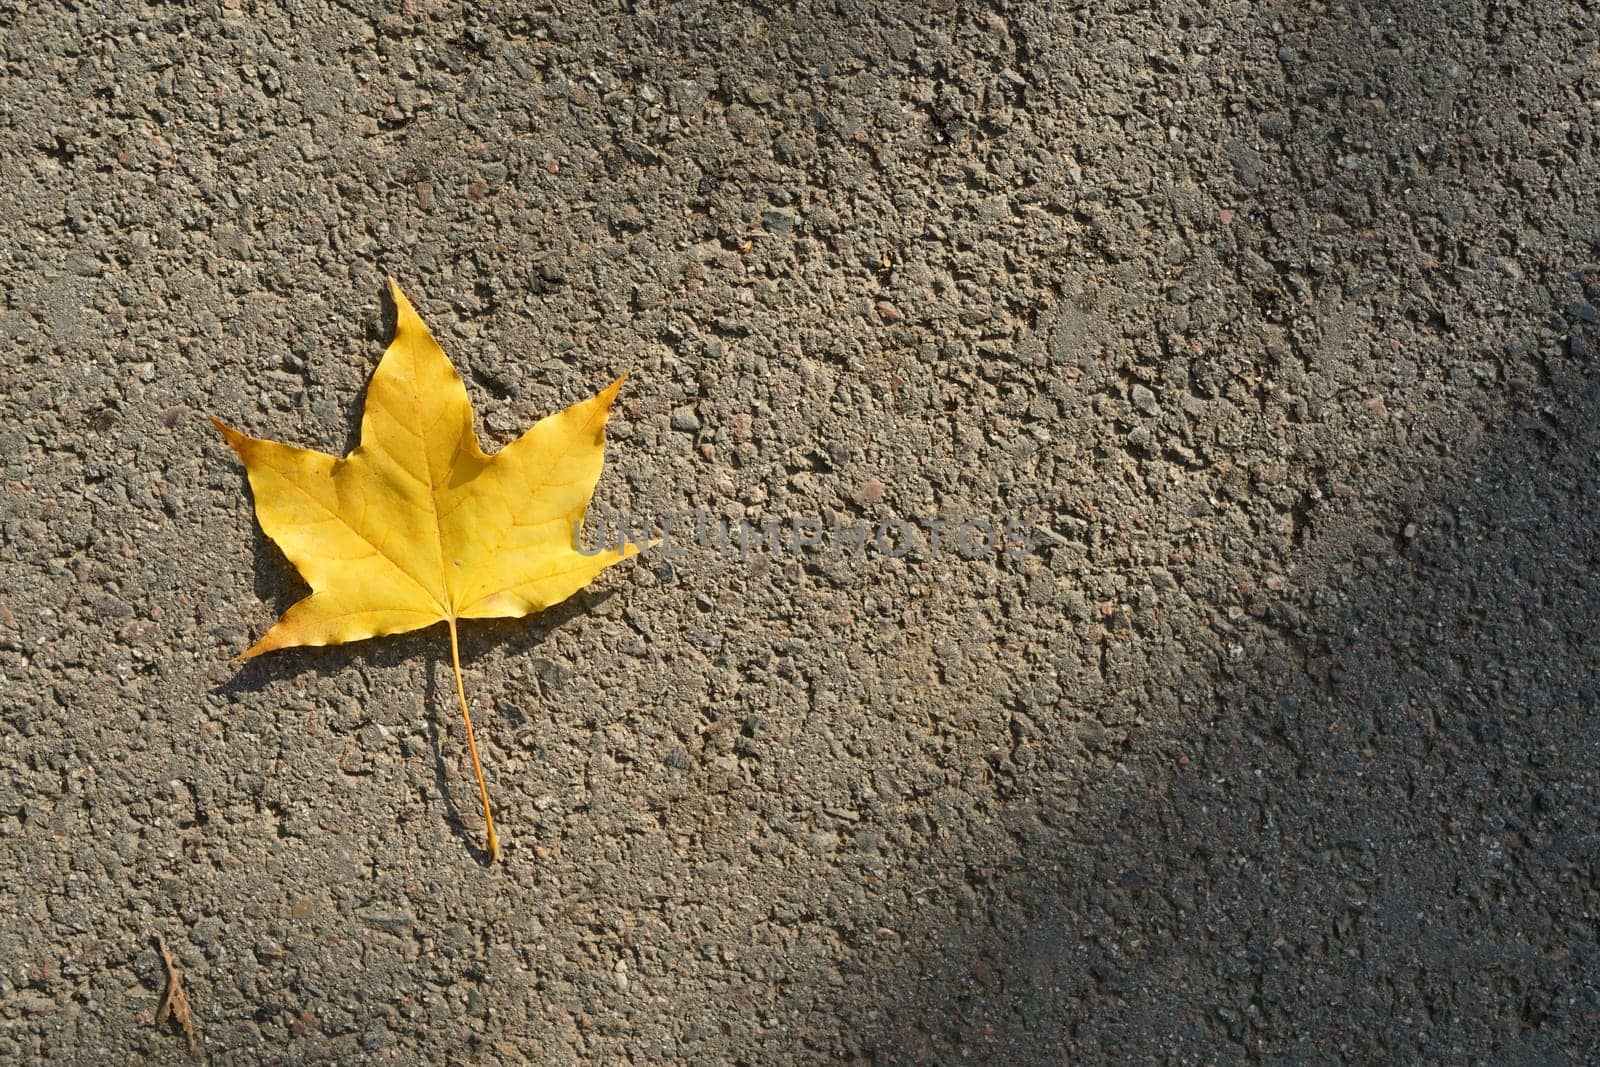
{"points": [[393, 921], [685, 419], [111, 609], [779, 220], [823, 841], [871, 491], [688, 97], [1145, 400]]}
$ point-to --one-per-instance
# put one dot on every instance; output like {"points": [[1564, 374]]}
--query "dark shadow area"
{"points": [[277, 584], [1381, 844]]}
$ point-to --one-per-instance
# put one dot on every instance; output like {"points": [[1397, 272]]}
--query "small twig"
{"points": [[1052, 535], [175, 1002]]}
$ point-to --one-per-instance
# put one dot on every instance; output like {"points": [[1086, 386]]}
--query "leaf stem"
{"points": [[492, 839]]}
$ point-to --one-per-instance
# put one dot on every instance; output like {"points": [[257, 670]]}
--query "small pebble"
{"points": [[779, 221], [1145, 400]]}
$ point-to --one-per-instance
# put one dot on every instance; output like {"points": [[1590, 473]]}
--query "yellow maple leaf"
{"points": [[418, 525]]}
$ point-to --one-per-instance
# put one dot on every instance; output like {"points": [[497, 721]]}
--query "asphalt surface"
{"points": [[1269, 736]]}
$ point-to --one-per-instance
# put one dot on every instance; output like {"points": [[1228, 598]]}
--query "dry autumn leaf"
{"points": [[174, 1003], [418, 525]]}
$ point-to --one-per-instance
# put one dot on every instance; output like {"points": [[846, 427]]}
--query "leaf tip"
{"points": [[406, 318], [269, 641], [609, 393], [234, 438]]}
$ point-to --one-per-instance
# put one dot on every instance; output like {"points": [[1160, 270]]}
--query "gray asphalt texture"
{"points": [[1278, 321]]}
